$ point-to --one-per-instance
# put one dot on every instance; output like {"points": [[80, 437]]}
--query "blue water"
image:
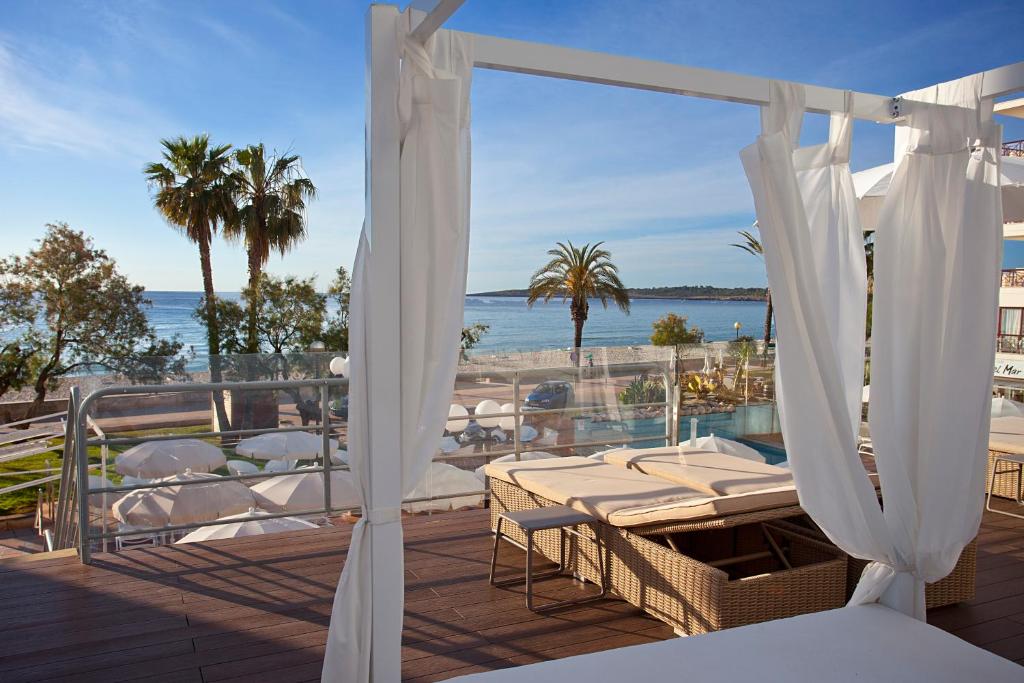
{"points": [[514, 326]]}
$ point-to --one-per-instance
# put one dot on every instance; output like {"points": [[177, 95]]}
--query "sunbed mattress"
{"points": [[625, 497], [713, 473]]}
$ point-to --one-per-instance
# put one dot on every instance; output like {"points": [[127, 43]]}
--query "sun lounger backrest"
{"points": [[713, 473]]}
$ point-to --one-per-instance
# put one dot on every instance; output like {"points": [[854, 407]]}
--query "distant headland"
{"points": [[693, 292]]}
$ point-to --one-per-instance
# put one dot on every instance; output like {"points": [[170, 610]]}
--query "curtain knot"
{"points": [[379, 516]]}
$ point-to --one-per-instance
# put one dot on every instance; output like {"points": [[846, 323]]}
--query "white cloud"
{"points": [[39, 110]]}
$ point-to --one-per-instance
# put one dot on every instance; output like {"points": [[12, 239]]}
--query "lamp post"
{"points": [[317, 347], [736, 326]]}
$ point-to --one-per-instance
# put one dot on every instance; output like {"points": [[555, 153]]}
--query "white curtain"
{"points": [[813, 245], [938, 255], [434, 112]]}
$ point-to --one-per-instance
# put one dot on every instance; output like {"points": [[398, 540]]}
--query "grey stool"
{"points": [[560, 517], [1016, 463]]}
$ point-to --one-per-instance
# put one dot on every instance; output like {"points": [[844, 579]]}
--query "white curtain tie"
{"points": [[378, 516]]}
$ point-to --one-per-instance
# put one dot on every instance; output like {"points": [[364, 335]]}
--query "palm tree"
{"points": [[193, 195], [579, 274], [752, 246], [272, 194]]}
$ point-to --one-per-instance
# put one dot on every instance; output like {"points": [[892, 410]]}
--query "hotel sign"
{"points": [[1009, 365]]}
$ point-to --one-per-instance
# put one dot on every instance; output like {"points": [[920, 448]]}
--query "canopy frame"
{"points": [[382, 202]]}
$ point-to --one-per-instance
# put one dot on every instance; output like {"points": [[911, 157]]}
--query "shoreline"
{"points": [[659, 297]]}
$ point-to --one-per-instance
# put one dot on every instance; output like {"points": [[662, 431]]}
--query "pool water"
{"points": [[757, 419]]}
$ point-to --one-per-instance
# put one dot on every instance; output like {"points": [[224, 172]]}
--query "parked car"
{"points": [[550, 395]]}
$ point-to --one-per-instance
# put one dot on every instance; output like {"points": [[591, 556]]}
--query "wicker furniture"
{"points": [[958, 587], [1006, 484], [766, 572], [1014, 466], [529, 522]]}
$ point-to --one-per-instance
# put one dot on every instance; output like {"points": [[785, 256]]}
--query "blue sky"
{"points": [[88, 88]]}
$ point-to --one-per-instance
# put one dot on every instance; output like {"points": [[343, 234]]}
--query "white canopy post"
{"points": [[364, 641], [408, 293]]}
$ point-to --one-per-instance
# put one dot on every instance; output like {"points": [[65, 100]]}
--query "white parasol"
{"points": [[183, 504], [304, 492], [250, 523], [284, 446], [154, 459]]}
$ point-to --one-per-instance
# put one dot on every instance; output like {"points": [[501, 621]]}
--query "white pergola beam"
{"points": [[553, 61], [1004, 80], [434, 19], [503, 54]]}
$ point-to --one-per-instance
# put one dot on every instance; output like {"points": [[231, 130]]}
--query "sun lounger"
{"points": [[854, 644], [716, 543], [696, 561]]}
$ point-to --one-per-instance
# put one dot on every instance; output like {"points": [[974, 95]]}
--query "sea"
{"points": [[513, 325]]}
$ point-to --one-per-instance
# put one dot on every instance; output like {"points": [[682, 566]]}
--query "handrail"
{"points": [[66, 530]]}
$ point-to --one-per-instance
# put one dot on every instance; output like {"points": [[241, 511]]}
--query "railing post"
{"points": [[325, 456], [82, 485], [674, 411], [516, 429]]}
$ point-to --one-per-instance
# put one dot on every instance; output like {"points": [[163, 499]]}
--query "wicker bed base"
{"points": [[958, 587], [1006, 484], [689, 595]]}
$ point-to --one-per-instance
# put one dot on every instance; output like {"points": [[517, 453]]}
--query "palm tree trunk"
{"points": [[212, 331], [252, 343], [579, 316], [768, 318]]}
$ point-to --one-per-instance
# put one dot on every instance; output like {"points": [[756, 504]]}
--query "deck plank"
{"points": [[257, 608]]}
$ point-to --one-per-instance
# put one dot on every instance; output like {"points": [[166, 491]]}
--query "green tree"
{"points": [[193, 194], [752, 246], [290, 315], [579, 274], [471, 336], [84, 313], [335, 334], [21, 338], [671, 330], [271, 192]]}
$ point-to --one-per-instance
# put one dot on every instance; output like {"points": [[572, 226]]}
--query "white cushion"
{"points": [[846, 645]]}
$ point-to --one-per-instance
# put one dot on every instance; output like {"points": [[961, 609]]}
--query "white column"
{"points": [[382, 215]]}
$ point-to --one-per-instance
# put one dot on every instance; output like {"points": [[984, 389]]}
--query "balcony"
{"points": [[1012, 277]]}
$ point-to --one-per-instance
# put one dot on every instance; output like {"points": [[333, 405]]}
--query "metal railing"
{"points": [[82, 442], [65, 522], [1013, 148], [1012, 277], [1010, 343], [79, 493]]}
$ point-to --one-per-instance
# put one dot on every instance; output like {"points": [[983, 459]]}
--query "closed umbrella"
{"points": [[304, 492], [250, 523], [183, 504], [284, 446], [155, 459]]}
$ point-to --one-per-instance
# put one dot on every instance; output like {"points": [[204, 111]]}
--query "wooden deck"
{"points": [[257, 608]]}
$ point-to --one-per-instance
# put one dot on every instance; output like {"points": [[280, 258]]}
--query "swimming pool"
{"points": [[736, 425]]}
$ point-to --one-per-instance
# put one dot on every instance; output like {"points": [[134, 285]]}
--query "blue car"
{"points": [[549, 396]]}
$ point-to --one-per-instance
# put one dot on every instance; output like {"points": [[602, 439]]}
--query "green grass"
{"points": [[25, 500]]}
